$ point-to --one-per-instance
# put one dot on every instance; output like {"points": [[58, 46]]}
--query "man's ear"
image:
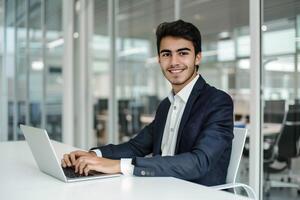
{"points": [[198, 58], [158, 59]]}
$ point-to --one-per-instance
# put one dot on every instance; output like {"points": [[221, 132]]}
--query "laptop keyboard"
{"points": [[70, 173]]}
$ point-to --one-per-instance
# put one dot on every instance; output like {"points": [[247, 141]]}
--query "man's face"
{"points": [[178, 61]]}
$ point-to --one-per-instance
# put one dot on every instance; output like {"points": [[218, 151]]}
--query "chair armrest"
{"points": [[250, 192]]}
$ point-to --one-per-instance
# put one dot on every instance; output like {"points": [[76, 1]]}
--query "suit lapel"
{"points": [[161, 124], [188, 108]]}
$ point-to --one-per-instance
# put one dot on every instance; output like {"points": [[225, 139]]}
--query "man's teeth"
{"points": [[176, 70]]}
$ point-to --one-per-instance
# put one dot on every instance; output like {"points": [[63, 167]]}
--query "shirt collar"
{"points": [[185, 92]]}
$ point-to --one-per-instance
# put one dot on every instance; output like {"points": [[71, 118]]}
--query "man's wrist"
{"points": [[97, 152], [126, 166], [93, 153], [118, 166]]}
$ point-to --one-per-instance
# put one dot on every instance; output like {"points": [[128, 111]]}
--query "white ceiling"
{"points": [[139, 18]]}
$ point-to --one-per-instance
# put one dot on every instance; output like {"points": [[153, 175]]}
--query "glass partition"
{"points": [[36, 65], [224, 26], [9, 66], [54, 47], [20, 68], [140, 84], [100, 71], [33, 66], [281, 108]]}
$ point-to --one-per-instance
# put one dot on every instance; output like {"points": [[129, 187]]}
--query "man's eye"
{"points": [[183, 53], [165, 54]]}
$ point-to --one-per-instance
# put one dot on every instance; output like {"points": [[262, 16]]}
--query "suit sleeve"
{"points": [[139, 146], [213, 139]]}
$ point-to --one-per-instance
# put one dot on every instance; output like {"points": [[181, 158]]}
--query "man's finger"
{"points": [[63, 163], [67, 160], [77, 164], [81, 166], [87, 169], [73, 158]]}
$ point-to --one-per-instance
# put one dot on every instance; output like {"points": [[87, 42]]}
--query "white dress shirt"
{"points": [[168, 145]]}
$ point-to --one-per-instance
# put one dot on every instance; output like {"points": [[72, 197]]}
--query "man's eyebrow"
{"points": [[165, 51], [183, 49], [178, 50]]}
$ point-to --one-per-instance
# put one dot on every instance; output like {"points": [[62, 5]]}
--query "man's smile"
{"points": [[175, 70]]}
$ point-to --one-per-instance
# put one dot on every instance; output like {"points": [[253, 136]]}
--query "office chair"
{"points": [[274, 111], [285, 147], [238, 143]]}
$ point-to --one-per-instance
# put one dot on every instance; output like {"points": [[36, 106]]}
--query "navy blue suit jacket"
{"points": [[203, 145]]}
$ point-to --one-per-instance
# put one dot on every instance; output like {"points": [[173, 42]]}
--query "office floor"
{"points": [[276, 193], [286, 193], [282, 194]]}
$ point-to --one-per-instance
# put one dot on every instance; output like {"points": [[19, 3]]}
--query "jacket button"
{"points": [[143, 173]]}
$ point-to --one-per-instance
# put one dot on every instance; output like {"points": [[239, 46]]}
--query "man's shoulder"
{"points": [[212, 93], [222, 93]]}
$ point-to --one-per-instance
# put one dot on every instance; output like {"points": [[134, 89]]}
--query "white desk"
{"points": [[268, 129], [21, 179]]}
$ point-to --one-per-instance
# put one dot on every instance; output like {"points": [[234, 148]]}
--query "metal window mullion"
{"points": [[3, 78], [113, 132], [177, 9], [27, 65], [44, 79], [83, 79], [15, 108], [255, 168], [68, 73], [296, 75], [90, 109]]}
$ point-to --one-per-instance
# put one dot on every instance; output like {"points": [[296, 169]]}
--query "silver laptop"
{"points": [[46, 158]]}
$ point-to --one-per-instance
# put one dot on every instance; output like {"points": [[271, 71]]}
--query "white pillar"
{"points": [[113, 132], [68, 73], [255, 168]]}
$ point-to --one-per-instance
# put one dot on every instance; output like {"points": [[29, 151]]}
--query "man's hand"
{"points": [[84, 164], [69, 160]]}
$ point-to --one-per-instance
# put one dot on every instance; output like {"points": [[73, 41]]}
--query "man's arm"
{"points": [[139, 146]]}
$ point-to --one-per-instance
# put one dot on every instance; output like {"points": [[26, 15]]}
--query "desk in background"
{"points": [[268, 129], [21, 179]]}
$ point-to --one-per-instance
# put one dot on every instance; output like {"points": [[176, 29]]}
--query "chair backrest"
{"points": [[274, 111], [238, 143], [289, 139]]}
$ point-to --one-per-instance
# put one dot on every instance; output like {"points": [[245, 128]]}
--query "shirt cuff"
{"points": [[127, 167], [98, 152]]}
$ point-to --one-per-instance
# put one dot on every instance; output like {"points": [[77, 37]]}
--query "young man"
{"points": [[191, 134]]}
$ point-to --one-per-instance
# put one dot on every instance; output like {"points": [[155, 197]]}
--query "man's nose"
{"points": [[174, 60]]}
